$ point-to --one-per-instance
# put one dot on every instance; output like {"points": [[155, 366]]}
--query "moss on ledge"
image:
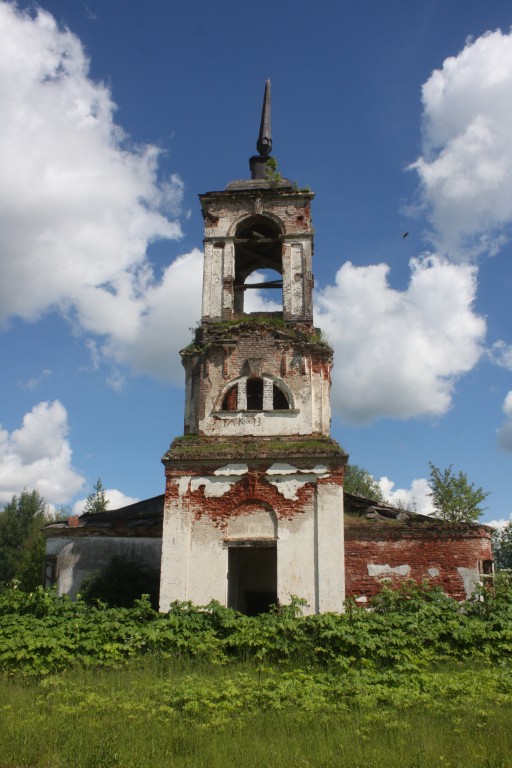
{"points": [[225, 331], [202, 448]]}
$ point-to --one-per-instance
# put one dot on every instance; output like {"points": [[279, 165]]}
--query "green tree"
{"points": [[455, 499], [22, 544], [502, 547], [96, 501], [361, 483]]}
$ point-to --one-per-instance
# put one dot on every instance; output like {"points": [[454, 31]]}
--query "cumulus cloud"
{"points": [[400, 353], [116, 499], [79, 204], [505, 431], [465, 168], [145, 333], [38, 456], [416, 497]]}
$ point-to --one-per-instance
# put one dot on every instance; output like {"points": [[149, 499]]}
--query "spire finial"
{"points": [[264, 143], [258, 163]]}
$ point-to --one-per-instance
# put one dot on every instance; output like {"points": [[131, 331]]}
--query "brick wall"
{"points": [[449, 556]]}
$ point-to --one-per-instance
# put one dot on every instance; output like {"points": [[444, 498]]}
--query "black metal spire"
{"points": [[257, 163], [264, 143]]}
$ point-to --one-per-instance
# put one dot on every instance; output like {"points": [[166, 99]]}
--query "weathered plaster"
{"points": [[289, 486], [77, 557], [232, 469], [470, 578], [385, 570]]}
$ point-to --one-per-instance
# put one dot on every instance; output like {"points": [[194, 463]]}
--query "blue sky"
{"points": [[116, 115]]}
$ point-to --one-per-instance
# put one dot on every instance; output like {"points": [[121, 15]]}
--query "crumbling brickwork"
{"points": [[450, 556]]}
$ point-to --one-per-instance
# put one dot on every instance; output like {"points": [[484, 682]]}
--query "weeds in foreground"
{"points": [[417, 681], [188, 713]]}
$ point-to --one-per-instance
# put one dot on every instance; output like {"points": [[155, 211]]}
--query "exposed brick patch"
{"points": [[423, 549]]}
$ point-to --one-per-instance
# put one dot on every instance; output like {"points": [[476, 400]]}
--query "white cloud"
{"points": [[38, 456], [398, 354], [466, 166], [505, 431], [416, 497], [78, 204], [501, 354], [159, 327], [36, 381], [116, 499], [500, 524]]}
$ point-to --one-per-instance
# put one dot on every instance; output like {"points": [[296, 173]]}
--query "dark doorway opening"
{"points": [[252, 578]]}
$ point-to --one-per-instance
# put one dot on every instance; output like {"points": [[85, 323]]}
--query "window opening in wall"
{"points": [[487, 567], [50, 570], [230, 402], [254, 394], [280, 401], [268, 283], [255, 387], [258, 249]]}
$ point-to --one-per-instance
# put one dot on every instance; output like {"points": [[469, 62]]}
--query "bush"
{"points": [[121, 583]]}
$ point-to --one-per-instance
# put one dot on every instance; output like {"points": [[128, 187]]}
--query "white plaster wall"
{"points": [[296, 560], [311, 412], [330, 547], [258, 523], [175, 545], [208, 563], [78, 556], [471, 579], [310, 547], [255, 423]]}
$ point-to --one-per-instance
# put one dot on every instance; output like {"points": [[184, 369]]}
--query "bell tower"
{"points": [[254, 498]]}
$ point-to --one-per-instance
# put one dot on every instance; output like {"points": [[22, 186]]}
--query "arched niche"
{"points": [[252, 520]]}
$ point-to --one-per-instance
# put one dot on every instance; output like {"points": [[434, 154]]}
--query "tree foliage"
{"points": [[361, 483], [22, 544], [96, 501], [502, 547], [455, 499]]}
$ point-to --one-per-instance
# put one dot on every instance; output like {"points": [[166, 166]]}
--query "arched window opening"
{"points": [[254, 394], [230, 402], [258, 248], [280, 401]]}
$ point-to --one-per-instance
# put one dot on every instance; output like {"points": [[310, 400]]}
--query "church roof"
{"points": [[146, 516]]}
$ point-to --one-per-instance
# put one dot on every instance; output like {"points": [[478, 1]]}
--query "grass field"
{"points": [[191, 714], [418, 681]]}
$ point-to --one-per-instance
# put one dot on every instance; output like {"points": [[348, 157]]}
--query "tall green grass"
{"points": [[191, 714], [419, 681]]}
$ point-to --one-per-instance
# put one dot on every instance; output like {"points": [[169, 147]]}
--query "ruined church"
{"points": [[254, 509]]}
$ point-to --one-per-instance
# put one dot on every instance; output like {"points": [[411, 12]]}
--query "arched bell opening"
{"points": [[255, 393], [258, 249]]}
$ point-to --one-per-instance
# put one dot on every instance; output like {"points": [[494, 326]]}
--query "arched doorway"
{"points": [[252, 577], [252, 558]]}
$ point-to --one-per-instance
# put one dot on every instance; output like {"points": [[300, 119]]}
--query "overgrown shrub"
{"points": [[120, 583], [405, 631]]}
